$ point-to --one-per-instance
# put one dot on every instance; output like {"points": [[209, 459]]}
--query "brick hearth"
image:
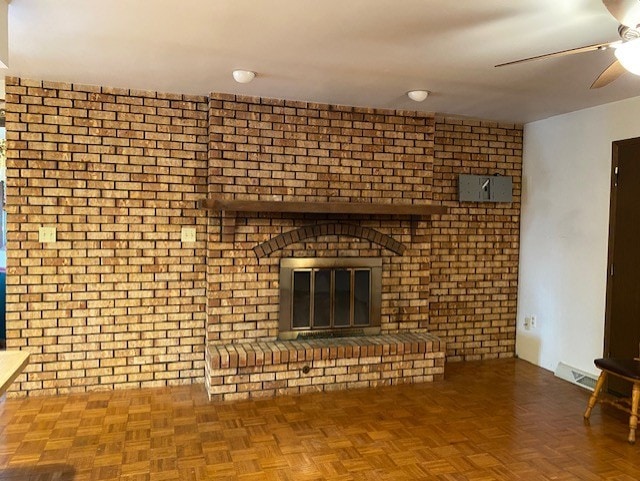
{"points": [[245, 370]]}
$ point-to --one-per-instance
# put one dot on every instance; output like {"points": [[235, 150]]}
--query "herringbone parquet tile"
{"points": [[496, 420]]}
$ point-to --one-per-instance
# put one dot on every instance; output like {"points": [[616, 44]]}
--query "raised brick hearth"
{"points": [[267, 368]]}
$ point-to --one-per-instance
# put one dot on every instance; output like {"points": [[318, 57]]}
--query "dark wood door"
{"points": [[622, 326]]}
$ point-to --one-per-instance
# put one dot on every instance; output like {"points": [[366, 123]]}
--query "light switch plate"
{"points": [[46, 234], [188, 234]]}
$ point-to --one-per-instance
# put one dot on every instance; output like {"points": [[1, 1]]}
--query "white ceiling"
{"points": [[353, 52]]}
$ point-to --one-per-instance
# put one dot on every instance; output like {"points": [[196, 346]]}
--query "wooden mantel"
{"points": [[278, 206]]}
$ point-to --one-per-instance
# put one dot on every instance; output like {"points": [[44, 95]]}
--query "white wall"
{"points": [[564, 232]]}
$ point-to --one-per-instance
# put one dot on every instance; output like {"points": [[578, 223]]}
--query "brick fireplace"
{"points": [[266, 150]]}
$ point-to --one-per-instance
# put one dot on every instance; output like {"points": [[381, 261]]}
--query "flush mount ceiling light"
{"points": [[243, 76], [418, 95]]}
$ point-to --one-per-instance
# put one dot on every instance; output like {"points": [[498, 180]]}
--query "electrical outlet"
{"points": [[188, 234], [527, 323], [46, 234], [534, 322]]}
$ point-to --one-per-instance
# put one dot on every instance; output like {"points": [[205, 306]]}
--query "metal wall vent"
{"points": [[576, 376]]}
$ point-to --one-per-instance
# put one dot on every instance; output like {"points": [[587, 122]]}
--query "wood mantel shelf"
{"points": [[277, 206]]}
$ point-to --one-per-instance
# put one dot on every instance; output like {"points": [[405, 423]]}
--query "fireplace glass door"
{"points": [[336, 296]]}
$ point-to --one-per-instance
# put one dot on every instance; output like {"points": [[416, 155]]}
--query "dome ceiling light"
{"points": [[243, 76], [418, 95]]}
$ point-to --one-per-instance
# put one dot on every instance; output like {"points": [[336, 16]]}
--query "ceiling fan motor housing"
{"points": [[627, 33]]}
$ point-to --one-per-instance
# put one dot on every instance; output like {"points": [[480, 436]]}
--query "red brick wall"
{"points": [[284, 150], [281, 150], [118, 300], [474, 255]]}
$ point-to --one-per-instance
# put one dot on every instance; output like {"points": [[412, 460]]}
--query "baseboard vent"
{"points": [[576, 376]]}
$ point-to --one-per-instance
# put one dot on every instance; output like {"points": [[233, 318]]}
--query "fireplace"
{"points": [[350, 188], [329, 297]]}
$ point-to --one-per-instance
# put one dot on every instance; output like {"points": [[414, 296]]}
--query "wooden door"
{"points": [[622, 324]]}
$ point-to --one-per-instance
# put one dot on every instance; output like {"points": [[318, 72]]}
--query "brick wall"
{"points": [[282, 150], [474, 255], [118, 300], [460, 282]]}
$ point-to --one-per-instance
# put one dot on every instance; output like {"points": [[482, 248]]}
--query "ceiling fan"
{"points": [[626, 50]]}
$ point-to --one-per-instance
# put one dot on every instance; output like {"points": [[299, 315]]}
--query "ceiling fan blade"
{"points": [[562, 53], [611, 73], [627, 12]]}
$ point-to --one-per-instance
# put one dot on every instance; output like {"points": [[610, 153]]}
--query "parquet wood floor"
{"points": [[493, 420]]}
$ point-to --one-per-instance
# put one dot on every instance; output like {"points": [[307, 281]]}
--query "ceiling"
{"points": [[351, 52]]}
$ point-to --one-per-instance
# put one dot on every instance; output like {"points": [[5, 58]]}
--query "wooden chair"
{"points": [[628, 369]]}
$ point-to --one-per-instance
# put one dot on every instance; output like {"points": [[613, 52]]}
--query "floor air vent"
{"points": [[576, 376]]}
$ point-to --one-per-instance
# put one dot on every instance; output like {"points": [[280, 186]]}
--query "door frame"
{"points": [[616, 145]]}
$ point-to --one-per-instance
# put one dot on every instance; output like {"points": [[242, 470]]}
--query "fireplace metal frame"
{"points": [[287, 268]]}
